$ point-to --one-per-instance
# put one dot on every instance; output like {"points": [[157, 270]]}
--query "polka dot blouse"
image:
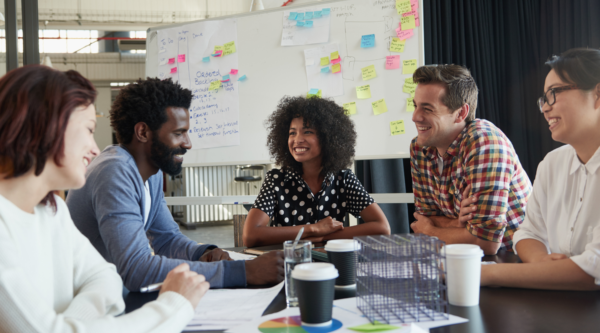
{"points": [[288, 201]]}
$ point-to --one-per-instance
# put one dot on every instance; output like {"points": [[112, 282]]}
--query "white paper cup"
{"points": [[463, 273]]}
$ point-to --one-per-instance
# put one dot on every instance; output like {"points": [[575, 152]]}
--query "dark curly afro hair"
{"points": [[335, 131], [146, 101]]}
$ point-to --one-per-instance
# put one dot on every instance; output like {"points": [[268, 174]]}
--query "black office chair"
{"points": [[245, 173]]}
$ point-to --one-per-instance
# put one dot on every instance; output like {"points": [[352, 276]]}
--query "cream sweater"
{"points": [[53, 280]]}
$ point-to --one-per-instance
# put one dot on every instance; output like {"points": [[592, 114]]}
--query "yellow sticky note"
{"points": [[407, 22], [363, 92], [397, 127], [229, 48], [218, 48], [397, 44], [409, 66], [336, 68], [379, 107], [369, 73], [312, 93], [324, 61], [350, 108], [403, 6], [409, 80], [214, 85], [334, 55], [409, 88], [410, 106]]}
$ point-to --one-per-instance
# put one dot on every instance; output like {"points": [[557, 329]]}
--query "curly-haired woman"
{"points": [[313, 142]]}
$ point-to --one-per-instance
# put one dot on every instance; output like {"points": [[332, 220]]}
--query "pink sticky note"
{"points": [[181, 58], [335, 61], [417, 22], [405, 34], [392, 62], [414, 4], [225, 80], [174, 69], [234, 71], [171, 61]]}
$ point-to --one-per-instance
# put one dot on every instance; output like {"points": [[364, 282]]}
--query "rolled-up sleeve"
{"points": [[589, 260]]}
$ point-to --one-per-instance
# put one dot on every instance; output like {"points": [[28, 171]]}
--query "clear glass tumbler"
{"points": [[301, 254]]}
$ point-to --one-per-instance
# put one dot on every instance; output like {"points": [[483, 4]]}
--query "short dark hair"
{"points": [[335, 131], [579, 66], [460, 85], [36, 103], [146, 101]]}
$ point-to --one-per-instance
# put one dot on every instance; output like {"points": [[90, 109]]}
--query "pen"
{"points": [[151, 288]]}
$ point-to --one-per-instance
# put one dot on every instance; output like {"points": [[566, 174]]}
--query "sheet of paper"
{"points": [[350, 108], [392, 62], [367, 41], [379, 107], [397, 127], [331, 85], [300, 35], [368, 73], [397, 45], [363, 92], [240, 256], [409, 66], [226, 308]]}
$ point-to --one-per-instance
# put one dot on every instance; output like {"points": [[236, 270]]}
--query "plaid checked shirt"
{"points": [[481, 155]]}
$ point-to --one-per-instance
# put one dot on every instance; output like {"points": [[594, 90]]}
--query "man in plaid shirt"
{"points": [[468, 183]]}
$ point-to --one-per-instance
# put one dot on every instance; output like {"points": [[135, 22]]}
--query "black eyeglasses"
{"points": [[550, 96]]}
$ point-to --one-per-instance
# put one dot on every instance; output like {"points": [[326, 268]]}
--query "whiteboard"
{"points": [[274, 71]]}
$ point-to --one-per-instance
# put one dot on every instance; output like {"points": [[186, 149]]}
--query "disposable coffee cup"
{"points": [[314, 283], [342, 254], [463, 273]]}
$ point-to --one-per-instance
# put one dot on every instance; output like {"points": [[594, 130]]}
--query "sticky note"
{"points": [[314, 92], [308, 15], [335, 61], [336, 68], [171, 61], [300, 17], [225, 80], [214, 85], [409, 80], [409, 88], [326, 11], [372, 328], [234, 71], [397, 45], [217, 53], [324, 61], [292, 16], [350, 108], [308, 24], [162, 61], [409, 66], [404, 34], [334, 55], [407, 22], [325, 70], [173, 70], [181, 58], [410, 106], [363, 92], [299, 23], [218, 48], [379, 107], [397, 127], [368, 73], [242, 78], [403, 6], [367, 41], [229, 48], [206, 59], [392, 62], [225, 77], [317, 14]]}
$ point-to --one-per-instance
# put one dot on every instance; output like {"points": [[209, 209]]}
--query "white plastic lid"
{"points": [[463, 251], [317, 271], [341, 245]]}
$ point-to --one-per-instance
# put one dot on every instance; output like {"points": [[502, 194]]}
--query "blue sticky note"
{"points": [[308, 15], [292, 16], [225, 77], [317, 14], [206, 59], [326, 11], [299, 23], [308, 24], [325, 70], [313, 91], [300, 17], [242, 78], [367, 41]]}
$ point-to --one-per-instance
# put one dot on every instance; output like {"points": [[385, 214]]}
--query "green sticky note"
{"points": [[379, 107], [409, 66], [334, 55], [409, 80], [229, 48], [397, 44], [363, 92], [397, 127], [350, 108], [410, 106], [369, 73], [403, 6], [324, 61], [377, 327], [407, 22], [214, 85]]}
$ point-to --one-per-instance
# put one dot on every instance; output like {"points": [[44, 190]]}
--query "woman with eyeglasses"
{"points": [[559, 241]]}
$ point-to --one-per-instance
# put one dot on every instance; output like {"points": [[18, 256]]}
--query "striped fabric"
{"points": [[481, 155]]}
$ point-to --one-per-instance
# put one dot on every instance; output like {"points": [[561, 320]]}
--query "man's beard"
{"points": [[162, 156]]}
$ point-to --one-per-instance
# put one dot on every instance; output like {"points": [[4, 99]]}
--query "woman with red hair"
{"points": [[51, 277]]}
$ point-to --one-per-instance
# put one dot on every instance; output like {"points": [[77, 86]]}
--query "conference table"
{"points": [[500, 310]]}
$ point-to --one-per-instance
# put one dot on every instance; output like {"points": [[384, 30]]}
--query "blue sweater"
{"points": [[109, 211]]}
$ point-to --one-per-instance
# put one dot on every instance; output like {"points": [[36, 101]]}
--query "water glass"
{"points": [[302, 254]]}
